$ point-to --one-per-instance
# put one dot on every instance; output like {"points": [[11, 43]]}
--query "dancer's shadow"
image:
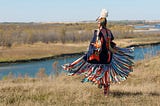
{"points": [[123, 93]]}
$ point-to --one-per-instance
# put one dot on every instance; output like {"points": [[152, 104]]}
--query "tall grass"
{"points": [[141, 88]]}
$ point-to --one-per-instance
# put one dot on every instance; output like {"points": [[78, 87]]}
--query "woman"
{"points": [[104, 63]]}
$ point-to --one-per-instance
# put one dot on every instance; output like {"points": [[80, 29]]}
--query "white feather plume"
{"points": [[104, 13]]}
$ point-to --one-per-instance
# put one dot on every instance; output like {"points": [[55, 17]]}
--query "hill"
{"points": [[141, 88]]}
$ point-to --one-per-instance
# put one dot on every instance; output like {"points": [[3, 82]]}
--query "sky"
{"points": [[77, 10]]}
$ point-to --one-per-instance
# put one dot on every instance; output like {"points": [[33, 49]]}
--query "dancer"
{"points": [[104, 63]]}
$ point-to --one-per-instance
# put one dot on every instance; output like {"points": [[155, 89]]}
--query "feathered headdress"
{"points": [[103, 14]]}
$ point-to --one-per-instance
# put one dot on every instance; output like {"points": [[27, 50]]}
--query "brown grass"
{"points": [[138, 41], [41, 50], [141, 88]]}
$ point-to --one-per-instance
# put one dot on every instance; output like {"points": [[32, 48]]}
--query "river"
{"points": [[31, 68]]}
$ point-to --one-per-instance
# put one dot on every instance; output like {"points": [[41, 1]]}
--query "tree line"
{"points": [[30, 33], [33, 32]]}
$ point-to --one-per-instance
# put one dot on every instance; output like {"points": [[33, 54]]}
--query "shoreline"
{"points": [[40, 59], [147, 44], [63, 55]]}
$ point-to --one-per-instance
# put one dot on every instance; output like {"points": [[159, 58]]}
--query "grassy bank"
{"points": [[39, 50], [141, 88], [43, 50]]}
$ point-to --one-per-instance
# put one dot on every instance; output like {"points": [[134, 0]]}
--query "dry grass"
{"points": [[41, 50], [138, 41], [141, 88]]}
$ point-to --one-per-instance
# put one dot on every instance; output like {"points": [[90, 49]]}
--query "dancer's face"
{"points": [[99, 24]]}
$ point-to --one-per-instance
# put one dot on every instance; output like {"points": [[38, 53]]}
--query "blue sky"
{"points": [[77, 10]]}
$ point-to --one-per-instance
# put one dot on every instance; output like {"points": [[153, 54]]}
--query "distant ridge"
{"points": [[85, 21]]}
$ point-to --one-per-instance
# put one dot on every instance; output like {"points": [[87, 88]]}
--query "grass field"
{"points": [[142, 88], [39, 50]]}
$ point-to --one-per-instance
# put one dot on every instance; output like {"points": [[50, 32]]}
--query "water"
{"points": [[144, 26], [156, 26], [145, 52], [32, 68]]}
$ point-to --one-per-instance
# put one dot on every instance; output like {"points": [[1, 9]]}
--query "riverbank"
{"points": [[41, 51], [141, 87]]}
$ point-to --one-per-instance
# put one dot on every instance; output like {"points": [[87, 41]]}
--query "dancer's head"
{"points": [[102, 21]]}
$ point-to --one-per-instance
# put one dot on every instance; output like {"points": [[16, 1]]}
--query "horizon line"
{"points": [[85, 21]]}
